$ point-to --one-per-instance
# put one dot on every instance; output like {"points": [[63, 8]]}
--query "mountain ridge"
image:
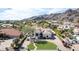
{"points": [[70, 15]]}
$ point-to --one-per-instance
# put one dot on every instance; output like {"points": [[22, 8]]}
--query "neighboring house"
{"points": [[55, 23], [6, 25], [66, 25], [41, 33], [10, 32], [76, 31], [60, 27], [77, 38]]}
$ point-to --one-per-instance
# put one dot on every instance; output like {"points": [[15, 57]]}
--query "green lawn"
{"points": [[30, 46], [44, 45]]}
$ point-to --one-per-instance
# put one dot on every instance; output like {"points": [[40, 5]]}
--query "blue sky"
{"points": [[18, 13]]}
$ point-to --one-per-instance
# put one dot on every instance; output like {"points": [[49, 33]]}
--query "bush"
{"points": [[30, 46]]}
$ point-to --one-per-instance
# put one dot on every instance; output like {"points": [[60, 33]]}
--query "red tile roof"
{"points": [[11, 31]]}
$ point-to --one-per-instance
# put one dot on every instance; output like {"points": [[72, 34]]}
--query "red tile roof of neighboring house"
{"points": [[11, 31]]}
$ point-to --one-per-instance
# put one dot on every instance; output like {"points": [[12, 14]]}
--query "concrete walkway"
{"points": [[35, 47]]}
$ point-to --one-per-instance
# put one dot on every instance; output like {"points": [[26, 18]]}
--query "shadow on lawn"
{"points": [[41, 42]]}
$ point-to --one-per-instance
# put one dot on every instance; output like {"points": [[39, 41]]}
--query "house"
{"points": [[73, 40], [77, 38], [60, 27], [6, 25], [66, 25], [76, 31], [44, 33], [55, 23], [10, 32]]}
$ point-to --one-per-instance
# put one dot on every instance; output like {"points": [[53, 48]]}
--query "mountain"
{"points": [[69, 15]]}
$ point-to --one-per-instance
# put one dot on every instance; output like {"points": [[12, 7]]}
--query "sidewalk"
{"points": [[35, 47]]}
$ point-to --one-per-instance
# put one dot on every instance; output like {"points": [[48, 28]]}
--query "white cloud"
{"points": [[58, 10], [15, 13], [21, 13]]}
